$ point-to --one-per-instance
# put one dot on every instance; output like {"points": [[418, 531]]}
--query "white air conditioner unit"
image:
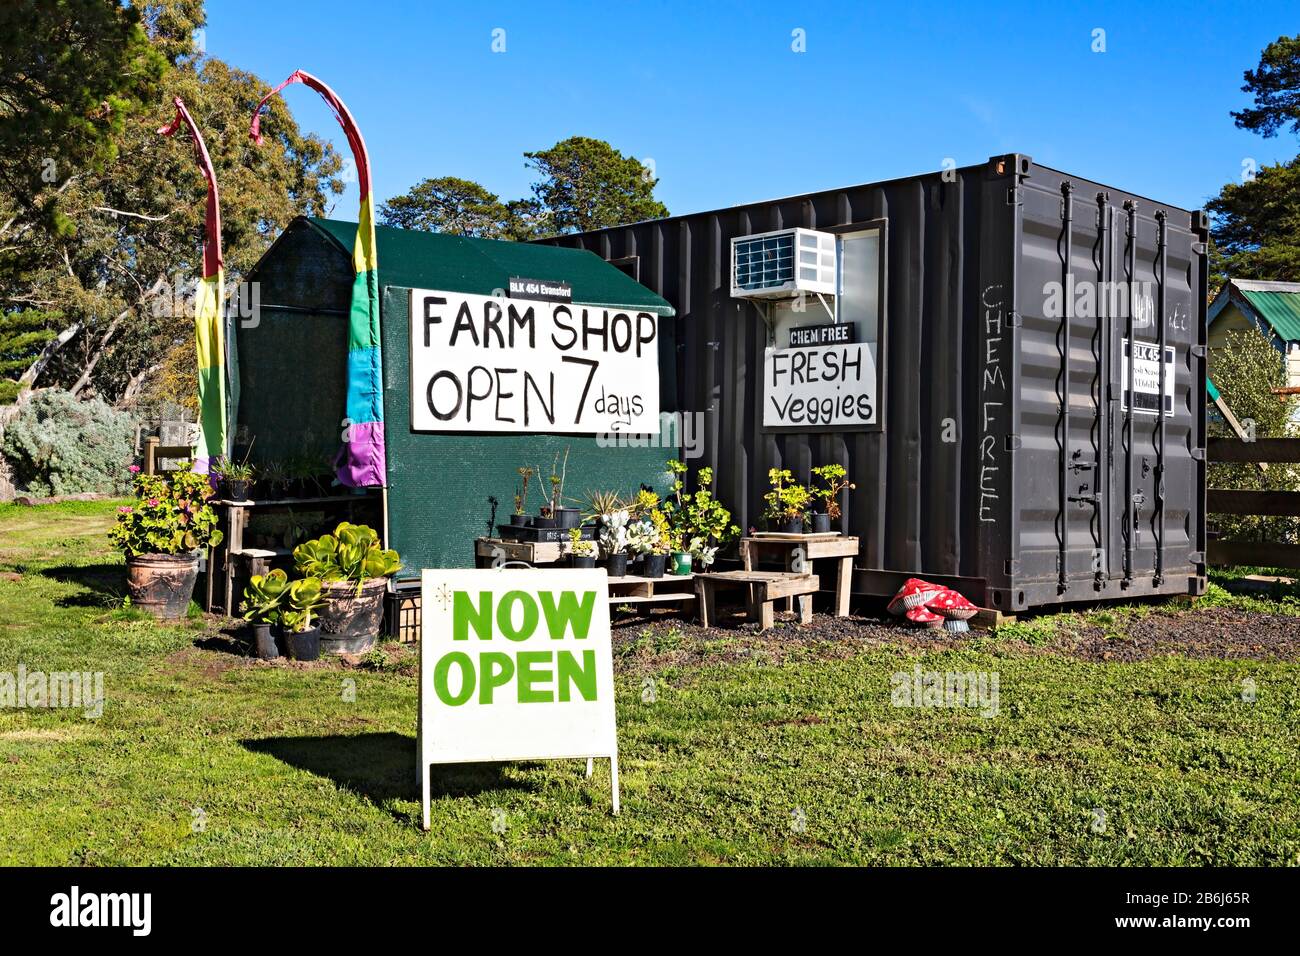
{"points": [[781, 264]]}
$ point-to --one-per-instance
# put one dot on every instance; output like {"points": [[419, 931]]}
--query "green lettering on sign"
{"points": [[440, 672], [505, 615], [529, 675], [583, 678], [497, 670], [465, 614], [569, 613]]}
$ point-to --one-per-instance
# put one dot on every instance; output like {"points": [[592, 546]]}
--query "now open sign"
{"points": [[515, 664]]}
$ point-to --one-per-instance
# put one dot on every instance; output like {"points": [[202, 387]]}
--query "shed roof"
{"points": [[431, 260], [1274, 304]]}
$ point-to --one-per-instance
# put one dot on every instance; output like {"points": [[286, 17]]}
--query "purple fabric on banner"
{"points": [[364, 466]]}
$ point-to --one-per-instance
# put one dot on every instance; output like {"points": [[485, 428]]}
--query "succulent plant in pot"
{"points": [[234, 476], [354, 572], [582, 554], [613, 538], [298, 624], [261, 608]]}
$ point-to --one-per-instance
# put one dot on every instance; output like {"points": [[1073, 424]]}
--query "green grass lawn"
{"points": [[204, 757]]}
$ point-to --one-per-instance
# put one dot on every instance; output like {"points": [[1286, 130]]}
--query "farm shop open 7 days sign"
{"points": [[484, 363], [515, 665]]}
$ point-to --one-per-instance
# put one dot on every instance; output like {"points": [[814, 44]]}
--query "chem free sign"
{"points": [[487, 363], [515, 665]]}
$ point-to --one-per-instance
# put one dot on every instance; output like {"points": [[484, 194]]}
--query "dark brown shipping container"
{"points": [[975, 472]]}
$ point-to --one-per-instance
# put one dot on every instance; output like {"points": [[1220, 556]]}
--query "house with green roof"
{"points": [[1269, 308], [514, 354]]}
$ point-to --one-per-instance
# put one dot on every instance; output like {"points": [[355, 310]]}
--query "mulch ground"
{"points": [[1223, 633]]}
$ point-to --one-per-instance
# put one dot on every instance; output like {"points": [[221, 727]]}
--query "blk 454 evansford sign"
{"points": [[486, 363], [515, 664]]}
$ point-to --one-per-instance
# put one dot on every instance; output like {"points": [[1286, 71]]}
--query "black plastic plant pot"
{"points": [[582, 560], [235, 489], [303, 645], [821, 523], [519, 521], [568, 517], [264, 646], [617, 565], [654, 565], [786, 525], [541, 521]]}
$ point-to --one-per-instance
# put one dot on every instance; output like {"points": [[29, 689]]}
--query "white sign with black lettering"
{"points": [[820, 387], [482, 363], [1146, 378]]}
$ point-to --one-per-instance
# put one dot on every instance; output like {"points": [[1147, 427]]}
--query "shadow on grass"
{"points": [[105, 583], [382, 767]]}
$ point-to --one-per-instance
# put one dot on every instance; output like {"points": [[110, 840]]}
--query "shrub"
{"points": [[58, 445]]}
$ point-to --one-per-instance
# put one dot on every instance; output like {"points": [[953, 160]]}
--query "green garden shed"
{"points": [[495, 355]]}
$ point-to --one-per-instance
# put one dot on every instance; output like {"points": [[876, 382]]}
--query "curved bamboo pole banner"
{"points": [[361, 462], [209, 338]]}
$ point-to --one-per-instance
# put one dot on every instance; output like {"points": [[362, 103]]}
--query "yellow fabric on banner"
{"points": [[364, 255]]}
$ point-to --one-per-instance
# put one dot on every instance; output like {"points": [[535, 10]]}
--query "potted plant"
{"points": [[354, 571], [645, 538], [565, 517], [161, 535], [298, 626], [520, 518], [834, 480], [700, 520], [614, 541], [582, 554], [234, 476], [787, 502], [261, 609]]}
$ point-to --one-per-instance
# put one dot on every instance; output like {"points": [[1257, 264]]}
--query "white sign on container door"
{"points": [[487, 364], [824, 386], [515, 664], [1146, 378]]}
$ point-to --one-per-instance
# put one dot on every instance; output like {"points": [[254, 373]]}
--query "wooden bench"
{"points": [[647, 593], [799, 551], [765, 588]]}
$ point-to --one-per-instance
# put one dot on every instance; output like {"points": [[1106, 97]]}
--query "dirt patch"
{"points": [[1221, 633]]}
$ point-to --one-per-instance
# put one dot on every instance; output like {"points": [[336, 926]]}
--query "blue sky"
{"points": [[715, 95]]}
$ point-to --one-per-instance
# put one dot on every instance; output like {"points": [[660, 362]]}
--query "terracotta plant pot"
{"points": [[162, 583], [349, 623]]}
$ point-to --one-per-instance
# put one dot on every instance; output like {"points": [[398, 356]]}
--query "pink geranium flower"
{"points": [[124, 509], [153, 502], [135, 469]]}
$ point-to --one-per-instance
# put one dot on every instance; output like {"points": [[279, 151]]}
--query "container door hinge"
{"points": [[1198, 454], [1013, 196], [1013, 320], [1198, 248], [1011, 567], [1012, 443], [1196, 557], [1199, 351]]}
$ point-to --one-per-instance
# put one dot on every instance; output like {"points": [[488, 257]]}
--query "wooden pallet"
{"points": [[645, 593]]}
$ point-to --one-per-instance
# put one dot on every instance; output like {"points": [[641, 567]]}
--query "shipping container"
{"points": [[980, 396]]}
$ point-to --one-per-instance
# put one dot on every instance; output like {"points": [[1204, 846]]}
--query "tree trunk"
{"points": [[104, 339], [28, 378]]}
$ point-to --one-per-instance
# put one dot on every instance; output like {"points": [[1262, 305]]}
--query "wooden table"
{"points": [[826, 546], [765, 588], [232, 553]]}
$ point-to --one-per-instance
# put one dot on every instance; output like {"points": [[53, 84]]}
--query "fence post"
{"points": [[151, 455]]}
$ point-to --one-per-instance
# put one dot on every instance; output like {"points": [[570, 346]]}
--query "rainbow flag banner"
{"points": [[361, 463], [209, 334]]}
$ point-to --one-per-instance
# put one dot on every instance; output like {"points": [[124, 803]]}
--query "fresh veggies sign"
{"points": [[496, 364], [515, 665]]}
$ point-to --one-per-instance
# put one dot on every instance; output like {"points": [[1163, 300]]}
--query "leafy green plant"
{"points": [[301, 599], [699, 521], [601, 503], [834, 479], [351, 553], [788, 500], [263, 597], [229, 470], [614, 531], [170, 516]]}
